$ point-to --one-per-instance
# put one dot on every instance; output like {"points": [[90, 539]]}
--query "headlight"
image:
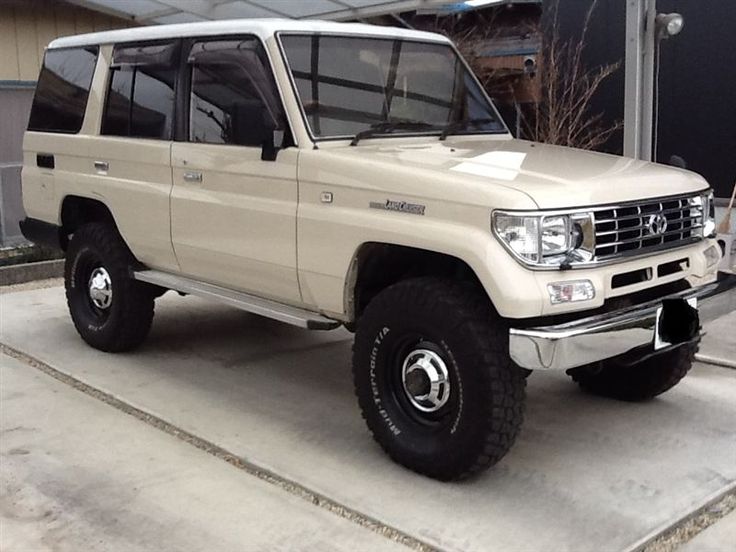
{"points": [[520, 234], [546, 240], [556, 235], [705, 213], [709, 215]]}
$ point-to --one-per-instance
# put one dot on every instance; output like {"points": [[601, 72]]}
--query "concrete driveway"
{"points": [[586, 474], [78, 475]]}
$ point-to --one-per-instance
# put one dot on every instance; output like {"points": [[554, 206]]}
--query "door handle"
{"points": [[192, 176], [102, 166]]}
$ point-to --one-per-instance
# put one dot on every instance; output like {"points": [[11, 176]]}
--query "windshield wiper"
{"points": [[385, 127], [452, 128]]}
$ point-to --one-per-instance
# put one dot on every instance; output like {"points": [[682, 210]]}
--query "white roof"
{"points": [[263, 28]]}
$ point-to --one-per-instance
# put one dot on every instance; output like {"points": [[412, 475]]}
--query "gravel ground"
{"points": [[688, 529]]}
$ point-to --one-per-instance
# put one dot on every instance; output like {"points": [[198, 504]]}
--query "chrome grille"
{"points": [[628, 230]]}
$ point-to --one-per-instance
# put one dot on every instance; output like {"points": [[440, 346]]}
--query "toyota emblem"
{"points": [[657, 224]]}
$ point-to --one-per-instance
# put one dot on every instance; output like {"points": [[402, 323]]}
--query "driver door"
{"points": [[233, 214]]}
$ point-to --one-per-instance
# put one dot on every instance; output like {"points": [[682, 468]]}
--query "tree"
{"points": [[564, 113]]}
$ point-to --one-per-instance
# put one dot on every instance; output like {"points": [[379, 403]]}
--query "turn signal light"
{"points": [[712, 256], [569, 292]]}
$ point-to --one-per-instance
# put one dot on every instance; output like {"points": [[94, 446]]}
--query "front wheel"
{"points": [[110, 310], [636, 382], [434, 379]]}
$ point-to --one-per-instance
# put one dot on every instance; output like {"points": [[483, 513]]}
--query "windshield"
{"points": [[348, 85]]}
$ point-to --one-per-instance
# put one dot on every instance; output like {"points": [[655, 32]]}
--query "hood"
{"points": [[553, 176]]}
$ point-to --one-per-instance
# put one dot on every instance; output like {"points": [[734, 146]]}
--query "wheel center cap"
{"points": [[100, 288], [426, 380], [418, 382]]}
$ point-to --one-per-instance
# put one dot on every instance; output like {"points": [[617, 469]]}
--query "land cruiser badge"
{"points": [[401, 206]]}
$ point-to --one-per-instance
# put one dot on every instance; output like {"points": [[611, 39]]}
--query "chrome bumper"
{"points": [[603, 336]]}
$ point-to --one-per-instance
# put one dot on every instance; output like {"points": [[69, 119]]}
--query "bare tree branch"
{"points": [[564, 115]]}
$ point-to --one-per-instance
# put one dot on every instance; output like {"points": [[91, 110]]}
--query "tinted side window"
{"points": [[140, 99], [62, 90], [233, 93]]}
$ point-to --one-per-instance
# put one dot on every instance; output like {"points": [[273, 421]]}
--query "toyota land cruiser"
{"points": [[326, 175]]}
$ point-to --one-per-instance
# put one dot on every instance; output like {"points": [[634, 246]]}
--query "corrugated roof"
{"points": [[152, 12]]}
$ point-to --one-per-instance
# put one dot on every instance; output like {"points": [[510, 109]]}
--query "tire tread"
{"points": [[488, 335], [137, 308]]}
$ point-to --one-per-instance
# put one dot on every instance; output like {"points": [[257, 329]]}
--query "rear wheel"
{"points": [[110, 310], [637, 382], [434, 379]]}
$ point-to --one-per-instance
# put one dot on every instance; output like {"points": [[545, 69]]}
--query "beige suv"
{"points": [[328, 175]]}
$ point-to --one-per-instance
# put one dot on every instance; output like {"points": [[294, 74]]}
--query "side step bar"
{"points": [[244, 301]]}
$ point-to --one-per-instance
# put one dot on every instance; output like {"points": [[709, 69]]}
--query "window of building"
{"points": [[62, 90], [140, 99], [233, 94]]}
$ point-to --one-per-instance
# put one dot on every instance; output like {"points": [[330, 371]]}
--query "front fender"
{"points": [[330, 234]]}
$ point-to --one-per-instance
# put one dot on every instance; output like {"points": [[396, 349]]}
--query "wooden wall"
{"points": [[27, 27]]}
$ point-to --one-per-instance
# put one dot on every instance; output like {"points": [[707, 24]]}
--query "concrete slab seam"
{"points": [[699, 519], [284, 483]]}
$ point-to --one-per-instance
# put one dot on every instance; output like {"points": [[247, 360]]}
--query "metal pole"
{"points": [[647, 91], [639, 86], [633, 69]]}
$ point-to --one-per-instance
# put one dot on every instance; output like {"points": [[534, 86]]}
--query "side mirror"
{"points": [[269, 151], [253, 125]]}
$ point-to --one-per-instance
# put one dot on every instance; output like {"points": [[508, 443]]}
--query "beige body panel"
{"points": [[237, 226], [135, 189], [37, 184]]}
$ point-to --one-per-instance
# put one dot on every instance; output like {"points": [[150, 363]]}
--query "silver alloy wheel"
{"points": [[426, 380], [100, 288]]}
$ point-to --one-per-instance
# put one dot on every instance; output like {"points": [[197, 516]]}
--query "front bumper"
{"points": [[612, 334]]}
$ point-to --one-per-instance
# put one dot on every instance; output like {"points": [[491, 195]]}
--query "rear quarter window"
{"points": [[62, 91]]}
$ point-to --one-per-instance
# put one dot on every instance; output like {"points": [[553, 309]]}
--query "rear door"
{"points": [[131, 158], [233, 213]]}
